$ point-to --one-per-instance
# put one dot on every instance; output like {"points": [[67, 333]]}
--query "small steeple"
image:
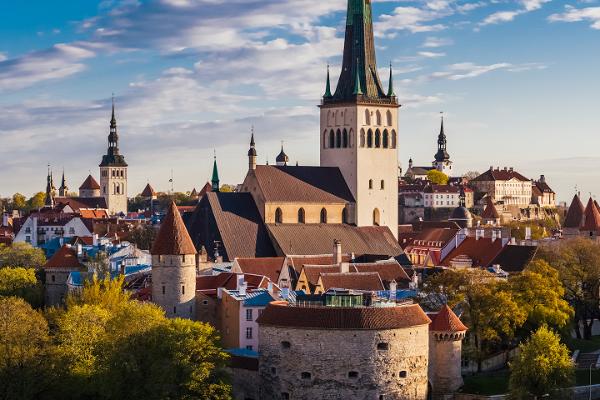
{"points": [[113, 120], [357, 86], [282, 159], [442, 153], [328, 94], [391, 84], [252, 153], [63, 191], [215, 176], [49, 189]]}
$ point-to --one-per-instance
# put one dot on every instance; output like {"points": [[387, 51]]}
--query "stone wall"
{"points": [[351, 364], [56, 287], [174, 285], [445, 364]]}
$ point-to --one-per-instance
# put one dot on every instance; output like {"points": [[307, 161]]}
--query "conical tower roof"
{"points": [[173, 237], [592, 217], [89, 184], [447, 321], [574, 217], [148, 191], [490, 211]]}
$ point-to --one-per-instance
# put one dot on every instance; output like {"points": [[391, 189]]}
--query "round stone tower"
{"points": [[446, 334], [343, 353], [174, 268]]}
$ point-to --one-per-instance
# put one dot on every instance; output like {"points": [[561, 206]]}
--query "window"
{"points": [[248, 333], [249, 315], [345, 215], [370, 183], [205, 302], [182, 289], [353, 375], [382, 184], [383, 346], [376, 217], [386, 139], [273, 371], [323, 216], [393, 139], [403, 374], [362, 138], [370, 139], [338, 139], [301, 216], [306, 375], [389, 118], [278, 216], [164, 290], [249, 348], [345, 139], [331, 139], [28, 239], [367, 117], [285, 345], [285, 396], [377, 138], [174, 310], [28, 230], [53, 278], [378, 115]]}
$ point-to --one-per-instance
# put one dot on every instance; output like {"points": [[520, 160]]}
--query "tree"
{"points": [[578, 263], [143, 237], [437, 177], [19, 202], [21, 255], [490, 311], [105, 293], [540, 293], [470, 175], [542, 366], [227, 189], [100, 265], [37, 201], [23, 283], [25, 339]]}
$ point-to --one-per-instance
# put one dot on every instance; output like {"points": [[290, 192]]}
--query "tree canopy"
{"points": [[21, 255], [437, 177], [23, 283]]}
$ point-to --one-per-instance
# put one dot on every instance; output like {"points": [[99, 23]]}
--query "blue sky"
{"points": [[518, 81]]}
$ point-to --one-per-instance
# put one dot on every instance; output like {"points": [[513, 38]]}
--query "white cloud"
{"points": [[510, 15], [431, 54], [572, 14], [435, 42]]}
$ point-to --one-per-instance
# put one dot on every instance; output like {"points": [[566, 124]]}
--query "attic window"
{"points": [[306, 375], [383, 346], [286, 345]]}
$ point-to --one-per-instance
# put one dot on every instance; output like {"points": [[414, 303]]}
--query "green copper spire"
{"points": [[328, 94], [215, 176], [391, 87], [357, 86]]}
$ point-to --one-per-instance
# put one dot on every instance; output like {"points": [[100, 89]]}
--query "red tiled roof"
{"points": [[431, 238], [89, 184], [269, 267], [313, 272], [77, 203], [500, 175], [206, 189], [388, 271], [337, 318], [173, 237], [447, 321], [574, 218], [66, 258], [442, 189], [298, 262], [490, 211], [228, 280], [148, 191], [93, 213], [482, 252], [369, 281], [592, 217]]}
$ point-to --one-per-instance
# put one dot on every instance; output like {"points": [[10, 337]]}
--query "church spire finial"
{"points": [[391, 84], [215, 175], [328, 94]]}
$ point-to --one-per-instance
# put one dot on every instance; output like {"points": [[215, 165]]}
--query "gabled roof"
{"points": [[65, 258], [490, 211], [431, 237], [368, 281], [148, 191], [208, 284], [207, 188], [500, 175], [592, 217], [269, 267], [173, 237], [481, 251], [90, 213], [515, 258], [388, 270], [298, 262], [313, 272], [89, 184], [575, 215], [447, 321], [323, 185], [77, 203]]}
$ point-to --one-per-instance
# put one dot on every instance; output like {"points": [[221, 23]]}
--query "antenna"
{"points": [[172, 184]]}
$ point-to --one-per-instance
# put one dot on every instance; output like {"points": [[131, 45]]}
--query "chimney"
{"points": [[95, 239], [5, 219], [220, 293], [344, 267], [527, 233], [337, 252], [511, 169], [393, 289], [270, 288], [79, 249], [542, 178], [239, 281]]}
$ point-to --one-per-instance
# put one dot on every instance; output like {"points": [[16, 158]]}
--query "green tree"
{"points": [[21, 255], [578, 263], [37, 201], [106, 293], [24, 342], [23, 283], [143, 237], [542, 367], [437, 177], [19, 202]]}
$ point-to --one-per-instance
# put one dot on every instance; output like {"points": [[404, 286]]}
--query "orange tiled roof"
{"points": [[447, 321], [89, 184], [66, 257], [173, 237]]}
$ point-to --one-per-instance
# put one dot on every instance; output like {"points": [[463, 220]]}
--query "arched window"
{"points": [[345, 215], [378, 114], [278, 216], [351, 139], [386, 139], [338, 139], [362, 138], [370, 183], [301, 216], [382, 184], [394, 139], [376, 217], [331, 139], [323, 216], [345, 139], [325, 139], [377, 138], [370, 139], [367, 117], [389, 118]]}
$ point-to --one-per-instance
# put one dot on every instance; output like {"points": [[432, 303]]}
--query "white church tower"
{"points": [[359, 125], [113, 172]]}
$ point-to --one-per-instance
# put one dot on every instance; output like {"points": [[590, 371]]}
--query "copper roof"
{"points": [[65, 258], [279, 314], [269, 267], [574, 218], [293, 239], [323, 185], [592, 217], [447, 321], [148, 191], [173, 237], [89, 184], [368, 281], [490, 211]]}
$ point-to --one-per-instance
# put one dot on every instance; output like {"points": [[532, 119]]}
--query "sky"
{"points": [[516, 79]]}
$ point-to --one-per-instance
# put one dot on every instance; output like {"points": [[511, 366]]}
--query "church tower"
{"points": [[113, 172], [442, 159], [359, 125], [63, 191], [174, 268]]}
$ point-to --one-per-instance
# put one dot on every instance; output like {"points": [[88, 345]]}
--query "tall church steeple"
{"points": [[252, 153], [359, 79], [63, 190], [50, 189], [215, 176], [442, 158]]}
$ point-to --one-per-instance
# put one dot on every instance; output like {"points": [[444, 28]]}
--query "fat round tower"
{"points": [[174, 268]]}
